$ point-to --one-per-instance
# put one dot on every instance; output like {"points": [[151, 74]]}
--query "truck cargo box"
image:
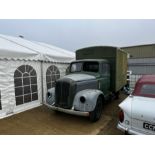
{"points": [[117, 59]]}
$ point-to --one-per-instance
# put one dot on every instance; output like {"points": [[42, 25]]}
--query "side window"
{"points": [[25, 80], [0, 101], [52, 74], [105, 69], [148, 89]]}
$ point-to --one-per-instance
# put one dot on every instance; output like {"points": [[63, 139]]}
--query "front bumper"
{"points": [[68, 111]]}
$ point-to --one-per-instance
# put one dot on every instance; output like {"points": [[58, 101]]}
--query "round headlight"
{"points": [[82, 99], [49, 94]]}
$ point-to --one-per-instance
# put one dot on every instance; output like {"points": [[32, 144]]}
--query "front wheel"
{"points": [[96, 114]]}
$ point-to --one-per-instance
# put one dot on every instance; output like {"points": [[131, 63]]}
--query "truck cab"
{"points": [[99, 69]]}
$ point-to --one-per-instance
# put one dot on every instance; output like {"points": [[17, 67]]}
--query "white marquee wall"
{"points": [[7, 86]]}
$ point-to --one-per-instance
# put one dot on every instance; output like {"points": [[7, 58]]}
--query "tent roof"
{"points": [[21, 49]]}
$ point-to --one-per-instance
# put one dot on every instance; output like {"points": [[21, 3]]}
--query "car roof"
{"points": [[147, 79]]}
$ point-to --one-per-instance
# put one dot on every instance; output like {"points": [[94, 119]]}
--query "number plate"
{"points": [[149, 126]]}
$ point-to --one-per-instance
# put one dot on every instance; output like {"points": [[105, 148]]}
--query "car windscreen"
{"points": [[148, 90]]}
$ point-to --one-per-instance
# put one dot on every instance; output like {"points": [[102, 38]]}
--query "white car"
{"points": [[137, 115]]}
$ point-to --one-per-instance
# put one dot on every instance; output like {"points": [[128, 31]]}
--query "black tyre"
{"points": [[117, 95], [126, 133], [96, 114]]}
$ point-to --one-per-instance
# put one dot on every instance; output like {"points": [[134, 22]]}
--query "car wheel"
{"points": [[96, 114]]}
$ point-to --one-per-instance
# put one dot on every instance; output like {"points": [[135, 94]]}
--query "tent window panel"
{"points": [[26, 75], [49, 85], [0, 102], [19, 91], [53, 84], [51, 68], [54, 78], [34, 88], [48, 72], [27, 98], [34, 96], [17, 74], [48, 78], [28, 68], [57, 72], [33, 80], [25, 80], [27, 90], [22, 68], [33, 73], [18, 82], [52, 74], [19, 100]]}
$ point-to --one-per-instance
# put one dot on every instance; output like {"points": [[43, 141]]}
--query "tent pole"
{"points": [[42, 87]]}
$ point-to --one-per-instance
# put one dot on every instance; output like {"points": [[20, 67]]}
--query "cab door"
{"points": [[104, 81]]}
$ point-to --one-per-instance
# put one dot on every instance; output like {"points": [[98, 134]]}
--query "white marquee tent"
{"points": [[27, 70]]}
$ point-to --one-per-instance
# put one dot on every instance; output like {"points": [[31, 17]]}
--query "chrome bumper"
{"points": [[68, 111], [127, 130]]}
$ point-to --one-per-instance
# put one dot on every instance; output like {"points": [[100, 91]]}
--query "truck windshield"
{"points": [[91, 67], [76, 67], [84, 66]]}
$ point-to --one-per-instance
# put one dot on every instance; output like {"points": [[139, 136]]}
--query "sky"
{"points": [[73, 34]]}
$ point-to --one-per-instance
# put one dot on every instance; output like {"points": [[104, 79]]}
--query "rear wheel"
{"points": [[117, 95], [96, 114]]}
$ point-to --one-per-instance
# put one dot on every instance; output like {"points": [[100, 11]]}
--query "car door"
{"points": [[143, 115]]}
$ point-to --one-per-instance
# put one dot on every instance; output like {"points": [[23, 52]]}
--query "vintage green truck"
{"points": [[97, 74]]}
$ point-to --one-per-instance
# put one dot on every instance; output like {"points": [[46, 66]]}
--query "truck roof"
{"points": [[98, 60], [96, 47]]}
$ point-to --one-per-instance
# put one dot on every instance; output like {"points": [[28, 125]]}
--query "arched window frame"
{"points": [[52, 74], [25, 80]]}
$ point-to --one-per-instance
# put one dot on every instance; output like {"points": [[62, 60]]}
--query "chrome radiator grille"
{"points": [[64, 94]]}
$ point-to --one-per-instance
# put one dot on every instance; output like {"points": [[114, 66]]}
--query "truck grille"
{"points": [[63, 94]]}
